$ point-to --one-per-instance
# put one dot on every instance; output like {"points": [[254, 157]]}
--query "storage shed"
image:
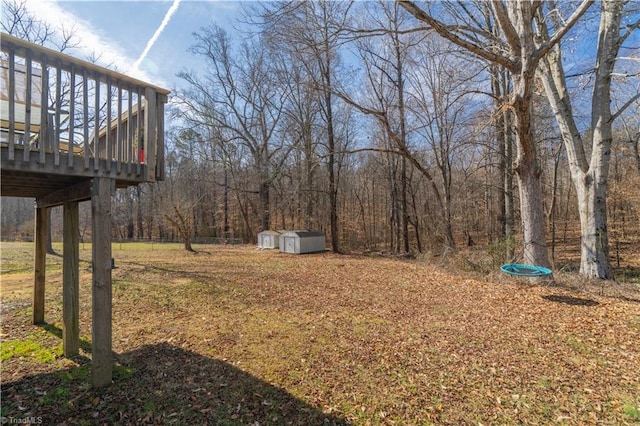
{"points": [[268, 239], [299, 242]]}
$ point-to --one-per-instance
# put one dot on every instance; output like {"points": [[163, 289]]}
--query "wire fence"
{"points": [[196, 240]]}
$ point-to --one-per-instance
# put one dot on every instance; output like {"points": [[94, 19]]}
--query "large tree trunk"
{"points": [[528, 175], [331, 166], [310, 175], [592, 198], [265, 212], [594, 253], [404, 206], [532, 212], [139, 213], [130, 224], [225, 203], [589, 177]]}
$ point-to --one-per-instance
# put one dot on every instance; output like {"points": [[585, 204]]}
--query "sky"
{"points": [[149, 40], [145, 39]]}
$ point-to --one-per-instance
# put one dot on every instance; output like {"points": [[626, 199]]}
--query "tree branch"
{"points": [[450, 35], [630, 29], [625, 106], [510, 33], [555, 38]]}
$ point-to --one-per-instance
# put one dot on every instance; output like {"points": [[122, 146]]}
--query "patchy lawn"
{"points": [[232, 335]]}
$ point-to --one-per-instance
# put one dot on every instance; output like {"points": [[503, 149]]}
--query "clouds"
{"points": [[147, 40], [92, 43]]}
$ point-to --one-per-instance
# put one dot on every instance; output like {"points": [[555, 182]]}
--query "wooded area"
{"points": [[404, 128]]}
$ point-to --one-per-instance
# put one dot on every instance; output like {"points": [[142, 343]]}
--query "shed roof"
{"points": [[304, 234], [269, 232]]}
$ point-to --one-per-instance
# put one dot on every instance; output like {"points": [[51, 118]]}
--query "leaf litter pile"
{"points": [[232, 335]]}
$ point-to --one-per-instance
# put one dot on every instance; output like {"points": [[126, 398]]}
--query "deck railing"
{"points": [[60, 112]]}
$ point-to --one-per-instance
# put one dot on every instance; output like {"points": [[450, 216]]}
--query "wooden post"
{"points": [[71, 280], [45, 126], [40, 257], [102, 190], [108, 140], [129, 135], [162, 99], [118, 143], [72, 110], [27, 109], [150, 133], [12, 104], [85, 127], [55, 140], [138, 136], [97, 149]]}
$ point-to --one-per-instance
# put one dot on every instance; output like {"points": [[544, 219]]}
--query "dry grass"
{"points": [[232, 335]]}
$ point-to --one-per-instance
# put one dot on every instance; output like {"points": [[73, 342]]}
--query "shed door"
{"points": [[289, 244]]}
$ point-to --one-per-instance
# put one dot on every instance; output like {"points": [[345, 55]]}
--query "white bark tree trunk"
{"points": [[592, 204], [589, 177]]}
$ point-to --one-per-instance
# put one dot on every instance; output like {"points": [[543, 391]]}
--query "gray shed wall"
{"points": [[302, 242], [268, 240]]}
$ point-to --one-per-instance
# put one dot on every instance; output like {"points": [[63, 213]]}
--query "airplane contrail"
{"points": [[156, 35]]}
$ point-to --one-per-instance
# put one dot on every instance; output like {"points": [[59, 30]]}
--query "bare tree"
{"points": [[590, 174], [314, 31], [384, 58], [301, 122], [181, 189], [19, 22], [416, 94], [519, 54], [442, 87], [16, 218], [241, 95]]}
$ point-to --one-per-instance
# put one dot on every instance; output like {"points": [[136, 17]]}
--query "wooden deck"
{"points": [[94, 123], [72, 131]]}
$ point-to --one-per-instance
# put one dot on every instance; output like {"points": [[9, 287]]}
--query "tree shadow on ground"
{"points": [[159, 384], [570, 300]]}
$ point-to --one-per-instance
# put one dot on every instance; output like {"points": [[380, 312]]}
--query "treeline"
{"points": [[368, 207]]}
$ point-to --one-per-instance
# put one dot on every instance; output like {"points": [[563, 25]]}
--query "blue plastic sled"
{"points": [[525, 270]]}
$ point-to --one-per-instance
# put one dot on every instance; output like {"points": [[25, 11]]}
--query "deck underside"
{"points": [[32, 178]]}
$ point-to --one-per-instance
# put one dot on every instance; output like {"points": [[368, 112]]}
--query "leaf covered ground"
{"points": [[233, 335]]}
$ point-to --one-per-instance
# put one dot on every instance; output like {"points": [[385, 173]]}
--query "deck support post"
{"points": [[71, 280], [40, 261], [101, 192]]}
